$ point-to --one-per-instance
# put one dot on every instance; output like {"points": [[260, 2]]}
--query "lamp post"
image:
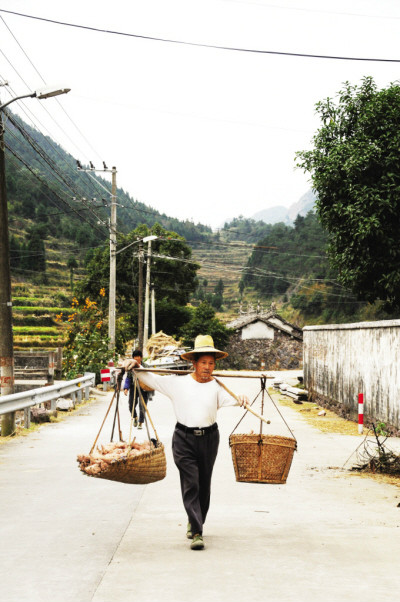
{"points": [[113, 249], [6, 334], [113, 260], [147, 239]]}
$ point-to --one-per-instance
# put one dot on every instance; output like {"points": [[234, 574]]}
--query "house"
{"points": [[265, 341]]}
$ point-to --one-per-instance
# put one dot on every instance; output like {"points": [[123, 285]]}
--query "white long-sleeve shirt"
{"points": [[195, 404]]}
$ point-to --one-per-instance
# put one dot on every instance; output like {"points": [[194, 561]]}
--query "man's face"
{"points": [[203, 368], [138, 359]]}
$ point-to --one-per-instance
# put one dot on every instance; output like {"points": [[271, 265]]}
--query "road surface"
{"points": [[324, 535]]}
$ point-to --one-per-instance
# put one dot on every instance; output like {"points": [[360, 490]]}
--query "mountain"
{"points": [[279, 213], [45, 187], [273, 215], [305, 204]]}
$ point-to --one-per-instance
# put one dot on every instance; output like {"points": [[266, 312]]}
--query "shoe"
{"points": [[197, 543], [189, 533], [140, 425], [135, 422]]}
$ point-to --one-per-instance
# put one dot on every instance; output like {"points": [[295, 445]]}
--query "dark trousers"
{"points": [[195, 457], [131, 396]]}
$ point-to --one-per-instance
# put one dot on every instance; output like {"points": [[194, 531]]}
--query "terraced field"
{"points": [[224, 261], [35, 306], [34, 311], [38, 298]]}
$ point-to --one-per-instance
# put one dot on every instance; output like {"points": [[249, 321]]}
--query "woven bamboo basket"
{"points": [[262, 458], [138, 470], [145, 387]]}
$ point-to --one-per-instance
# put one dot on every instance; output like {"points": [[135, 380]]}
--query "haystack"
{"points": [[159, 341]]}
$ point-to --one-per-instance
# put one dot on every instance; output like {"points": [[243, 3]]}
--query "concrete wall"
{"points": [[340, 361]]}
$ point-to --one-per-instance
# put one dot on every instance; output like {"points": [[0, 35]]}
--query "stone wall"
{"points": [[283, 353]]}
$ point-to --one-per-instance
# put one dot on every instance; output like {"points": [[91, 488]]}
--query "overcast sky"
{"points": [[194, 132]]}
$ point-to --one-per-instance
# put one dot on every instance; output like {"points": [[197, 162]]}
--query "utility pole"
{"points": [[147, 239], [113, 249], [140, 297], [153, 311], [6, 333], [113, 260]]}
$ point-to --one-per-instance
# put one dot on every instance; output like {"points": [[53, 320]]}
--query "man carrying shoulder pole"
{"points": [[196, 398]]}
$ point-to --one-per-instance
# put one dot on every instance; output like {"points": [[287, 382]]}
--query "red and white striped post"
{"points": [[360, 413], [105, 377]]}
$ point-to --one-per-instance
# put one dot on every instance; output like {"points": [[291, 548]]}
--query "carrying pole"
{"points": [[245, 406]]}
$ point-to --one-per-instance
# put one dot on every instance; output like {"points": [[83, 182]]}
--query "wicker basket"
{"points": [[145, 387], [140, 470], [262, 458]]}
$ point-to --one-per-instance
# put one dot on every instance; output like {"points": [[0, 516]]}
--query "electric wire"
{"points": [[51, 190], [202, 45], [62, 178], [45, 83]]}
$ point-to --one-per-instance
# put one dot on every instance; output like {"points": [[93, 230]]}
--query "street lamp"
{"points": [[6, 335], [41, 94]]}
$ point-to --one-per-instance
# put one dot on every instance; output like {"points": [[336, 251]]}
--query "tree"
{"points": [[355, 173], [72, 264], [35, 251], [204, 321], [173, 272]]}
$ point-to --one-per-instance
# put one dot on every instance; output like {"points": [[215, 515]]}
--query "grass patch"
{"points": [[36, 330], [43, 310], [329, 423]]}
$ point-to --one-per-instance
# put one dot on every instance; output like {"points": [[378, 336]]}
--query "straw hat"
{"points": [[204, 344]]}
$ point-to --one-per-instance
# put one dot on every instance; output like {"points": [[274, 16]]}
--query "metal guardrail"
{"points": [[33, 397]]}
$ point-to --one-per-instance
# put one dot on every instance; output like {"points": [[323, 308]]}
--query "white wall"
{"points": [[343, 360], [257, 330]]}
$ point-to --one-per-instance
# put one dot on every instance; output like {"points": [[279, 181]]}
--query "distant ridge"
{"points": [[279, 213]]}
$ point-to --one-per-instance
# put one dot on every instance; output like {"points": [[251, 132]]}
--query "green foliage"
{"points": [[86, 349], [245, 229], [354, 167], [171, 317], [43, 310], [35, 330], [381, 429], [286, 255], [203, 321], [174, 280]]}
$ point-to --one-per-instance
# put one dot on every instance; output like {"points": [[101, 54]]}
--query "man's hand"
{"points": [[131, 364], [243, 400], [125, 391]]}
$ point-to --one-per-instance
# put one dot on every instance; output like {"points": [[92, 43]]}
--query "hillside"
{"points": [[58, 215], [45, 185]]}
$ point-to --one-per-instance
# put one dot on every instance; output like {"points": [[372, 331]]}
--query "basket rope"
{"points": [[102, 424], [249, 409], [146, 411]]}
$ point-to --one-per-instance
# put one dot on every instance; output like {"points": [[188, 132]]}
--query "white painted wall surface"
{"points": [[343, 360], [257, 330]]}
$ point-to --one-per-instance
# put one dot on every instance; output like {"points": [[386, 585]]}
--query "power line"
{"points": [[201, 45], [51, 190], [45, 83], [42, 153]]}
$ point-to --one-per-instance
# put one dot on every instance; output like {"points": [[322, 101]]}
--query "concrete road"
{"points": [[325, 535]]}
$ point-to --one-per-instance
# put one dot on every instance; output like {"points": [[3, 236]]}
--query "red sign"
{"points": [[105, 375]]}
